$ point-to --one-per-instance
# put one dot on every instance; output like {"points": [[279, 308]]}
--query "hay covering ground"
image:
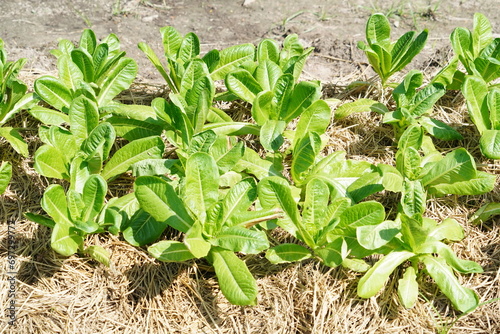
{"points": [[139, 295]]}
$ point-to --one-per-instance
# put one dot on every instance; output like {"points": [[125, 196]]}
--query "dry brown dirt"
{"points": [[139, 295]]}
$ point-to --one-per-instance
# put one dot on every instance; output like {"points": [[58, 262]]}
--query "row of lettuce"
{"points": [[226, 184]]}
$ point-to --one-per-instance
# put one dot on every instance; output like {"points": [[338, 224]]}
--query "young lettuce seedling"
{"points": [[483, 104], [476, 50], [215, 228], [420, 240], [327, 226], [99, 71], [13, 98], [412, 108], [385, 56], [184, 64]]}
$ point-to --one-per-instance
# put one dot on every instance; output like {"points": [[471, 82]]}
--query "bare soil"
{"points": [[139, 295]]}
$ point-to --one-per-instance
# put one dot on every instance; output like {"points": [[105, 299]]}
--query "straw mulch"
{"points": [[139, 295]]}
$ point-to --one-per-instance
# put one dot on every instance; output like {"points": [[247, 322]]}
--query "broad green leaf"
{"points": [[362, 214], [284, 253], [493, 101], [462, 266], [140, 149], [83, 59], [65, 239], [189, 48], [159, 199], [360, 105], [171, 40], [76, 206], [252, 163], [271, 135], [235, 280], [485, 212], [55, 204], [133, 129], [376, 236], [364, 186], [282, 96], [69, 73], [267, 50], [232, 57], [480, 184], [152, 167], [83, 118], [143, 229], [405, 49], [315, 206], [357, 265], [490, 144], [304, 155], [408, 288], [376, 276], [99, 142], [238, 199], [52, 91], [262, 107], [99, 254], [461, 41], [39, 219], [456, 166], [196, 69], [88, 41], [378, 30], [334, 253], [413, 200], [439, 129], [170, 251], [228, 159], [315, 118], [267, 74], [392, 179], [5, 175], [240, 239], [202, 184], [201, 142], [425, 99], [94, 194], [275, 192], [48, 116], [50, 162], [463, 299], [302, 96], [448, 229], [15, 140], [116, 79], [195, 241], [481, 33], [475, 90], [242, 84], [384, 62]]}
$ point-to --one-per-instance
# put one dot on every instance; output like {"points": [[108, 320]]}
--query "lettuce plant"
{"points": [[82, 155], [476, 50], [214, 226], [483, 104], [385, 56], [97, 70], [326, 226], [422, 240], [413, 106], [184, 63], [13, 98]]}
